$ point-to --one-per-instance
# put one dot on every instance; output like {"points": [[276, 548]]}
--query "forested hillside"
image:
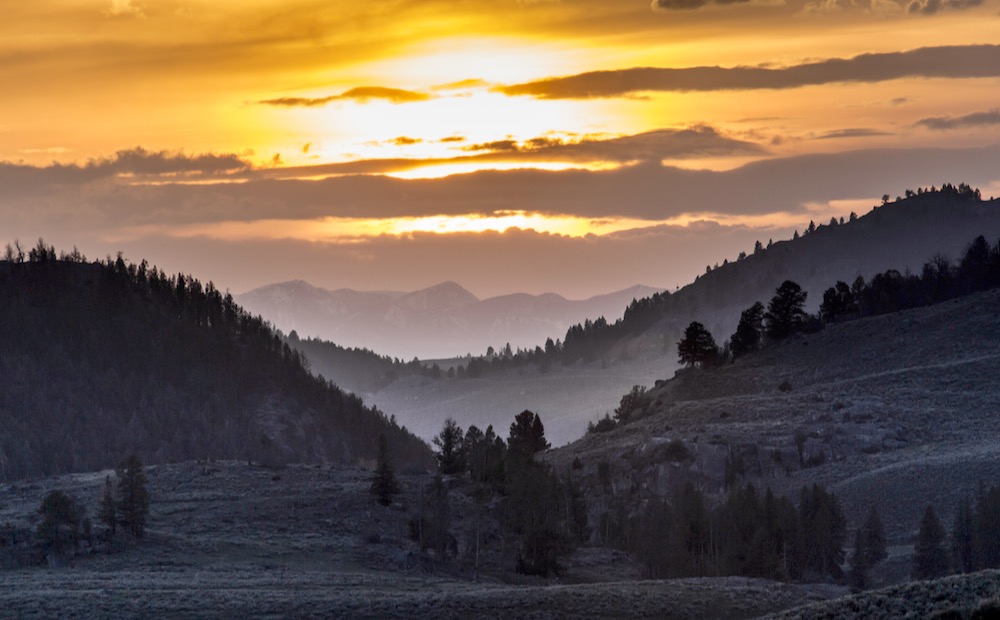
{"points": [[903, 235], [100, 359]]}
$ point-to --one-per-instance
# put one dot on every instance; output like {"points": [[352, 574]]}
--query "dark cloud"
{"points": [[687, 5], [975, 119], [134, 162], [503, 146], [362, 94], [544, 142], [930, 7], [140, 161], [854, 132], [973, 61], [654, 146], [643, 191], [405, 141]]}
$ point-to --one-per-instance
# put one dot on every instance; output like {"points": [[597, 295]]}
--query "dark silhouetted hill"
{"points": [[101, 359]]}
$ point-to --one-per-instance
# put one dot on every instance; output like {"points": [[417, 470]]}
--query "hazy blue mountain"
{"points": [[441, 321]]}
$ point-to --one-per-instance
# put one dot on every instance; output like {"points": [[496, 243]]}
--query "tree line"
{"points": [[748, 534], [940, 280]]}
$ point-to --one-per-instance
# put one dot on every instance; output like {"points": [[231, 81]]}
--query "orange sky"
{"points": [[227, 139]]}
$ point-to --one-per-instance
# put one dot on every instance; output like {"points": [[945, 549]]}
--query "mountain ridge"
{"points": [[443, 320]]}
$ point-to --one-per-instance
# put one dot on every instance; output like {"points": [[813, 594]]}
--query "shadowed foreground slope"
{"points": [[225, 539]]}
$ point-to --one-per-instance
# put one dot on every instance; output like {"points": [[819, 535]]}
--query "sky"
{"points": [[568, 146]]}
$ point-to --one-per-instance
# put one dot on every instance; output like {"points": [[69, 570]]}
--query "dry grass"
{"points": [[960, 594], [227, 539]]}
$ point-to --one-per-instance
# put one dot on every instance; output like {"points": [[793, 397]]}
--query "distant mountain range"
{"points": [[441, 321]]}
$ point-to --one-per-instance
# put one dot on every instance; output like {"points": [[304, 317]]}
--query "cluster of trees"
{"points": [[869, 550], [962, 191], [940, 279], [136, 360], [748, 534], [122, 510], [785, 315], [629, 407], [974, 542], [544, 514]]}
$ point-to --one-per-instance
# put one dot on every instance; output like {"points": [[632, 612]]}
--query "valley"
{"points": [[227, 538], [894, 412], [886, 406]]}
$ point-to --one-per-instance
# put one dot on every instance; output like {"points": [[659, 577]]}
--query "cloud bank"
{"points": [[976, 119], [973, 61], [362, 94]]}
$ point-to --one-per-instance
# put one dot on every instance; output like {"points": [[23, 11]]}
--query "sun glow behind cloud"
{"points": [[456, 75], [347, 230], [341, 230]]}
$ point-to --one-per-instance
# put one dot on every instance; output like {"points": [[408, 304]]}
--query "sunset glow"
{"points": [[160, 126]]}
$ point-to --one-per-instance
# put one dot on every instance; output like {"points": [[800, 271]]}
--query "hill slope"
{"points": [[897, 412], [97, 360], [901, 235]]}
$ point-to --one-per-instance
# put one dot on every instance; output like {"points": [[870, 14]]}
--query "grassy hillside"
{"points": [[895, 412], [101, 359]]}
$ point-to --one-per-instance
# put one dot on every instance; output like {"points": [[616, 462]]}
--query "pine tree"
{"points": [[440, 538], [578, 528], [527, 435], [988, 529], [822, 531], [875, 543], [107, 511], [748, 331], [384, 485], [697, 347], [61, 518], [963, 535], [858, 575], [133, 498], [785, 313], [629, 403], [450, 453], [930, 559]]}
